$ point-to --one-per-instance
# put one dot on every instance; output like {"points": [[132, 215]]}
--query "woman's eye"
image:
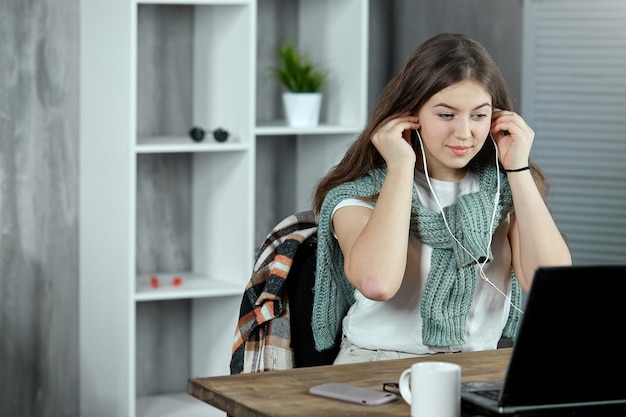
{"points": [[479, 116], [446, 115]]}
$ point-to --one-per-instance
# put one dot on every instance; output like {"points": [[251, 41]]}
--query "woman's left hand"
{"points": [[513, 137]]}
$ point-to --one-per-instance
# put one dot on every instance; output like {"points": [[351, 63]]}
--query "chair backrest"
{"points": [[300, 295]]}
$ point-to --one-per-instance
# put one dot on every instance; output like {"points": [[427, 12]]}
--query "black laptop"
{"points": [[569, 356]]}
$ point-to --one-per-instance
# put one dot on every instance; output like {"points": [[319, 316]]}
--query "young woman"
{"points": [[434, 222]]}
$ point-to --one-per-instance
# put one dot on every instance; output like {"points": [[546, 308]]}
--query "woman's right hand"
{"points": [[375, 242], [392, 140]]}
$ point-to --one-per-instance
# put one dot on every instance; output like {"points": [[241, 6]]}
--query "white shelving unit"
{"points": [[114, 143]]}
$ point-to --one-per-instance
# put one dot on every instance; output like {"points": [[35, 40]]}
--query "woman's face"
{"points": [[454, 125]]}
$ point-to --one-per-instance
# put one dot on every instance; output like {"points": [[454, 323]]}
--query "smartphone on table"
{"points": [[352, 393]]}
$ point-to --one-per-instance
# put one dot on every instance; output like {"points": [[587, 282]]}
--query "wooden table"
{"points": [[285, 393]]}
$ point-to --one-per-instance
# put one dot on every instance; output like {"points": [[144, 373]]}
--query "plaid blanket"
{"points": [[263, 336]]}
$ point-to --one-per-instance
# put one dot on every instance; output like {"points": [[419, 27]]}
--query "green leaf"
{"points": [[296, 71]]}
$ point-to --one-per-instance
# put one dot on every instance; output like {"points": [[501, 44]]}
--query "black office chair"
{"points": [[300, 295]]}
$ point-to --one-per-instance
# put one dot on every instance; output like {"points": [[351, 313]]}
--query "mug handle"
{"points": [[405, 385]]}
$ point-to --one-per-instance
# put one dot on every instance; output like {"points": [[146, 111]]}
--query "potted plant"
{"points": [[303, 81]]}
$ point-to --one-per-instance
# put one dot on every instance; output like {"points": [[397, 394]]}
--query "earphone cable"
{"points": [[480, 265]]}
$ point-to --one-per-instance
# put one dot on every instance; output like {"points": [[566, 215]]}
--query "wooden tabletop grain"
{"points": [[285, 393]]}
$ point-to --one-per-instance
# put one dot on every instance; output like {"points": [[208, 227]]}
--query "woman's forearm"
{"points": [[537, 240]]}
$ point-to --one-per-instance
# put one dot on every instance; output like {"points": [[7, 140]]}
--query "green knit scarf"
{"points": [[451, 282]]}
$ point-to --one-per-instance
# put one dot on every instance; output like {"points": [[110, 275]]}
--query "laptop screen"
{"points": [[571, 315]]}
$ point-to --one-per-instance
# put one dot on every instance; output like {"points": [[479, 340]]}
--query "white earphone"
{"points": [[481, 265]]}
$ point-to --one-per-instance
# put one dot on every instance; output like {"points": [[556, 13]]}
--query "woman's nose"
{"points": [[462, 129]]}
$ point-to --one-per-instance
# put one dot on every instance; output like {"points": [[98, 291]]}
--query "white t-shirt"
{"points": [[396, 324]]}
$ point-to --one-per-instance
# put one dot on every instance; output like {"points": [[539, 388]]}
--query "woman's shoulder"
{"points": [[367, 184]]}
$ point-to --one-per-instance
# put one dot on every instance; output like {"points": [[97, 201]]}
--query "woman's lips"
{"points": [[459, 150]]}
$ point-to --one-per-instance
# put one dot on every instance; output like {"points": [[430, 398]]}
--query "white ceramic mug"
{"points": [[433, 389]]}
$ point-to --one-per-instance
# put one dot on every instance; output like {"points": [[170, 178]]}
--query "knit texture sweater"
{"points": [[451, 282]]}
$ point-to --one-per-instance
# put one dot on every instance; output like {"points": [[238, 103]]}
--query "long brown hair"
{"points": [[441, 61]]}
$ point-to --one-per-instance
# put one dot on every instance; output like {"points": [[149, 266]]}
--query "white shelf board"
{"points": [[192, 286], [279, 128], [175, 405], [173, 144]]}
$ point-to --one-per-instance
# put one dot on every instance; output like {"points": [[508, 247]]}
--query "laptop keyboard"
{"points": [[494, 394]]}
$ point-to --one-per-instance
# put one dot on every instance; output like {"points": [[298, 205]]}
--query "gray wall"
{"points": [[38, 207], [39, 81], [497, 24]]}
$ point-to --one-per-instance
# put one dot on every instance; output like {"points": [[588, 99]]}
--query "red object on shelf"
{"points": [[177, 281], [154, 282]]}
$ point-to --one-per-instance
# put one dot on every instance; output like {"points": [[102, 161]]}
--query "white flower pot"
{"points": [[302, 109]]}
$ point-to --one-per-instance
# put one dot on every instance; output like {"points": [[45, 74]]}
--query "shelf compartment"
{"points": [[193, 215], [180, 339], [194, 63], [192, 286], [315, 28]]}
